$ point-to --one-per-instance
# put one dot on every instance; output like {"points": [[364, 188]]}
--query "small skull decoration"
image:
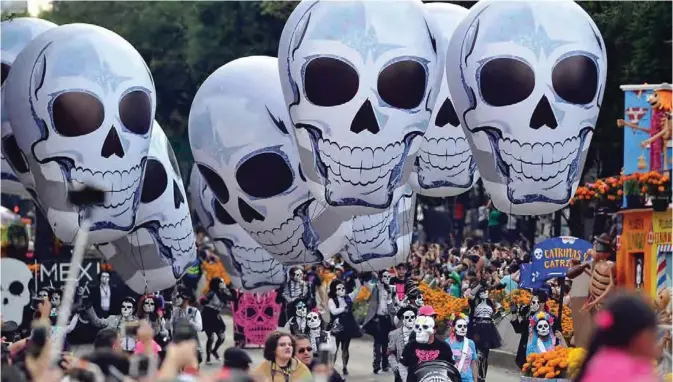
{"points": [[254, 269], [257, 315], [527, 80], [16, 34], [238, 132], [81, 103], [360, 80], [14, 285], [444, 165], [424, 327], [381, 240], [164, 235], [313, 321]]}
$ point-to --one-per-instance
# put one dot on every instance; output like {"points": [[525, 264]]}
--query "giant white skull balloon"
{"points": [[528, 84], [249, 266], [238, 131], [16, 34], [164, 236], [81, 103], [14, 285], [444, 165], [383, 240], [360, 79]]}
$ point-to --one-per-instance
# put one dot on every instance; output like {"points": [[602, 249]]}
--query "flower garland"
{"points": [[212, 270], [612, 189], [552, 364], [522, 297], [444, 304]]}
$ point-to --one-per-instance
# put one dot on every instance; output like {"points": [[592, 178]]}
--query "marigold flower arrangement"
{"points": [[444, 304], [654, 183], [521, 297], [552, 364], [212, 270], [364, 294], [612, 189]]}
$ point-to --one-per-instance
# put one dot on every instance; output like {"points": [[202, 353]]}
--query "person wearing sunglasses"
{"points": [[305, 352], [280, 364]]}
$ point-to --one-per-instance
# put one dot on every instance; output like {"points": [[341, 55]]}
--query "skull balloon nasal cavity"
{"points": [[543, 115], [365, 119], [112, 145]]}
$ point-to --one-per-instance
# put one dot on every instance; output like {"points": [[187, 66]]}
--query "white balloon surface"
{"points": [[444, 165], [81, 103], [249, 266], [16, 34], [527, 84], [360, 79], [238, 132]]}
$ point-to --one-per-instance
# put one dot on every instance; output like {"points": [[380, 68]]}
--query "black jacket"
{"points": [[335, 377]]}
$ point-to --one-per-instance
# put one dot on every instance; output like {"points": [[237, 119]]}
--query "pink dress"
{"points": [[140, 348], [616, 365]]}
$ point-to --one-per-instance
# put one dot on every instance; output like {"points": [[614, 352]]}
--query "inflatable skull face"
{"points": [[530, 84], [16, 34], [382, 240], [163, 236], [360, 80], [238, 130], [444, 165], [81, 102], [15, 281], [255, 270]]}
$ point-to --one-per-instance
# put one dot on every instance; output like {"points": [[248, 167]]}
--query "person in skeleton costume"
{"points": [[182, 310], [298, 323], [520, 320], [150, 311], [426, 346], [379, 322], [343, 324], [482, 329], [295, 289], [213, 324], [103, 297], [316, 334], [463, 348], [398, 339], [543, 340], [413, 295], [117, 322]]}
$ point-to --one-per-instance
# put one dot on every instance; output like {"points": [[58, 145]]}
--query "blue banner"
{"points": [[551, 258], [526, 277]]}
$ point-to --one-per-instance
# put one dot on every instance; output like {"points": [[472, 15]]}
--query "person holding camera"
{"points": [[305, 355]]}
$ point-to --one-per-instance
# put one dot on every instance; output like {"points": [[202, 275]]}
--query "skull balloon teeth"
{"points": [[255, 262], [554, 167], [442, 157], [361, 167], [376, 233]]}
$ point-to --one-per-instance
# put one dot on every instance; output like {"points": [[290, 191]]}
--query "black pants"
{"points": [[210, 349], [381, 328], [398, 378], [482, 364], [343, 342]]}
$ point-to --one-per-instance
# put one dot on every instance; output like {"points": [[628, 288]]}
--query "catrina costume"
{"points": [[543, 339], [482, 329], [343, 325], [213, 324]]}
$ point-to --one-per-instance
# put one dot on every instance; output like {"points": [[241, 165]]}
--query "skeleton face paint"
{"points": [[424, 328], [379, 61], [385, 278], [408, 319], [313, 320], [530, 143], [127, 309], [542, 328], [301, 310], [105, 145], [178, 301], [535, 304], [55, 300], [43, 294], [419, 300], [148, 305], [105, 279], [298, 275], [483, 294], [341, 290], [256, 176], [460, 327]]}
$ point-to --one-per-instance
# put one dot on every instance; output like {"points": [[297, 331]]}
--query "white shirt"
{"points": [[105, 298]]}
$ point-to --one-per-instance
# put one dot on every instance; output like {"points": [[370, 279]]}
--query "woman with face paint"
{"points": [[463, 348], [117, 322], [150, 311], [343, 325], [213, 302], [298, 324], [521, 318], [543, 340], [482, 328]]}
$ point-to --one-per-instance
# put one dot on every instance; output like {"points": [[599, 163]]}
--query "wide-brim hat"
{"points": [[604, 239]]}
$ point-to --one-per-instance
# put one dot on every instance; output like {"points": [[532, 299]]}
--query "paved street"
{"points": [[359, 366]]}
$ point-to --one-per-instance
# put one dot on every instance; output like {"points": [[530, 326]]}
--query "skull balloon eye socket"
{"points": [[13, 153], [402, 84], [5, 72], [248, 213], [222, 215], [575, 79], [506, 81], [278, 176], [135, 112], [173, 159], [329, 81], [16, 288], [155, 183], [77, 113], [215, 183]]}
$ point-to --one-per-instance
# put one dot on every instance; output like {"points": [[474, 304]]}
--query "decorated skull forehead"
{"points": [[444, 165], [381, 241], [16, 34], [542, 322], [81, 102], [528, 84], [14, 284], [360, 80], [163, 239], [255, 270], [238, 130]]}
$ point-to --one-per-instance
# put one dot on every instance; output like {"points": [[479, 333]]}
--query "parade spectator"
{"points": [[305, 355], [279, 364], [511, 280]]}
